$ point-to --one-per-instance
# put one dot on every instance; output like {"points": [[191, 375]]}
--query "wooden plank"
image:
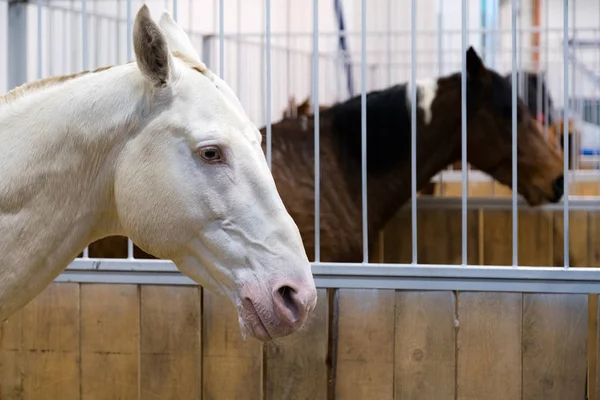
{"points": [[592, 350], [425, 363], [109, 341], [578, 239], [439, 237], [365, 355], [489, 346], [232, 367], [51, 344], [497, 237], [593, 254], [397, 238], [170, 336], [11, 360], [554, 346], [296, 366], [535, 235]]}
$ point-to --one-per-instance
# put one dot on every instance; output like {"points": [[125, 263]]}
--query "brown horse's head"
{"points": [[489, 146]]}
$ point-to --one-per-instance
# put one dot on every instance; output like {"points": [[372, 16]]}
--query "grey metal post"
{"points": [[17, 43], [207, 50]]}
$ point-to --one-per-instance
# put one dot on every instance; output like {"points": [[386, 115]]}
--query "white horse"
{"points": [[159, 150]]}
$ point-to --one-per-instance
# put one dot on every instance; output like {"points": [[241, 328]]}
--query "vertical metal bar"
{"points": [[463, 109], [129, 32], [515, 211], [440, 37], [118, 34], [268, 62], [84, 61], [49, 48], [566, 130], [317, 132], [221, 40], [413, 127], [128, 15], [175, 10], [17, 44], [546, 63], [40, 37], [239, 48], [84, 36], [389, 42], [363, 128]]}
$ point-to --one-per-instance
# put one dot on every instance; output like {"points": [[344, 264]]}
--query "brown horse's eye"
{"points": [[210, 154]]}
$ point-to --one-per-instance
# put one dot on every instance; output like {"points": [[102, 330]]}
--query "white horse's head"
{"points": [[194, 187]]}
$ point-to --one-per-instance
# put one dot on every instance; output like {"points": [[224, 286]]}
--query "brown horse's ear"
{"points": [[475, 67]]}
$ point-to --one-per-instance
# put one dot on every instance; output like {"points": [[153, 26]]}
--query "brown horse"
{"points": [[489, 146]]}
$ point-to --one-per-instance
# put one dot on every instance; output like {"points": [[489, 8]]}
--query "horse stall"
{"points": [[444, 297]]}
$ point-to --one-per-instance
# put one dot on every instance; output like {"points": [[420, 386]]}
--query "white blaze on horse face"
{"points": [[426, 92], [194, 187]]}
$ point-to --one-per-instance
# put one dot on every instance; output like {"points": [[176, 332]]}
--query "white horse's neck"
{"points": [[59, 149]]}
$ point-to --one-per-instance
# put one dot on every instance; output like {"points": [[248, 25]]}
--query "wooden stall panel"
{"points": [[170, 345], [594, 306], [439, 237], [489, 346], [365, 348], [578, 239], [497, 237], [554, 346], [11, 377], [425, 365], [296, 366], [51, 344], [535, 237], [232, 366], [109, 341]]}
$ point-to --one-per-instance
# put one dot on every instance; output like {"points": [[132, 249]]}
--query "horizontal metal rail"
{"points": [[363, 276], [477, 176]]}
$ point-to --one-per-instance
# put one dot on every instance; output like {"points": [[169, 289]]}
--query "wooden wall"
{"points": [[100, 341]]}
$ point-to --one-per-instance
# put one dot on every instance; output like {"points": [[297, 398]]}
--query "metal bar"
{"points": [[49, 47], [440, 37], [515, 243], [40, 37], [175, 10], [221, 40], [413, 128], [565, 135], [268, 68], [583, 175], [84, 36], [381, 270], [129, 31], [317, 132], [389, 42], [17, 44], [374, 276], [583, 203], [463, 110], [363, 128]]}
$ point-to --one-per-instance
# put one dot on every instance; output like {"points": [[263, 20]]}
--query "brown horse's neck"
{"points": [[389, 169], [390, 191]]}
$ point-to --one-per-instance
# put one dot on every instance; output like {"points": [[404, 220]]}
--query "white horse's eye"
{"points": [[210, 154]]}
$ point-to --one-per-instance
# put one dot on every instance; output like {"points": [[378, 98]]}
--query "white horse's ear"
{"points": [[151, 48], [176, 37]]}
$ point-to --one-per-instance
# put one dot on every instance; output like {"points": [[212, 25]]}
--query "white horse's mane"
{"points": [[35, 86]]}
